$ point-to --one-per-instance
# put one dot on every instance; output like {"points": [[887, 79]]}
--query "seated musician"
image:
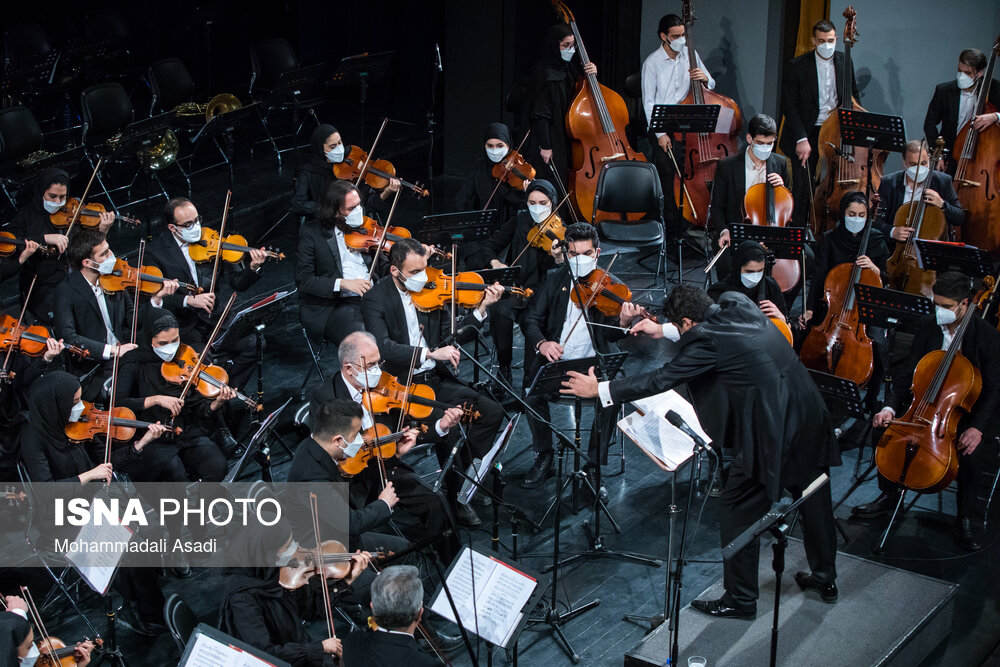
{"points": [[332, 278], [33, 221], [327, 148], [508, 244], [483, 187], [49, 456], [557, 330], [954, 103], [934, 188], [87, 316], [17, 638], [11, 266], [198, 313], [408, 336], [977, 448], [747, 276], [397, 607]]}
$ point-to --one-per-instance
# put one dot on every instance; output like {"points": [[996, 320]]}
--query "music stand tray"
{"points": [[257, 448], [946, 256], [872, 130], [684, 118], [366, 67], [510, 275], [550, 377], [447, 228], [66, 160], [887, 308], [257, 315], [296, 80], [784, 242], [208, 645], [226, 122], [840, 391]]}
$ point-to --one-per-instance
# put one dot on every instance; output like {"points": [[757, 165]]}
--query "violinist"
{"points": [[954, 103], [332, 278], [197, 313], [509, 243], [747, 274], [49, 456], [553, 82], [666, 79], [977, 448], [17, 637], [327, 148], [935, 188], [479, 189], [556, 328], [810, 92]]}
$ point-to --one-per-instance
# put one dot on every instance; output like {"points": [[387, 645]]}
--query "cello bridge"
{"points": [[611, 158], [852, 181], [966, 183]]}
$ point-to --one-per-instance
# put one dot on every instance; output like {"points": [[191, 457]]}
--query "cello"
{"points": [[917, 450], [701, 159], [768, 206], [595, 121], [978, 168], [842, 167], [840, 345]]}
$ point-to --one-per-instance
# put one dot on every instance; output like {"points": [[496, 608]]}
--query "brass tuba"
{"points": [[221, 103], [162, 154]]}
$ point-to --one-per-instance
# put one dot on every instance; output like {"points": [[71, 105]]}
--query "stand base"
{"points": [[556, 620], [597, 550]]}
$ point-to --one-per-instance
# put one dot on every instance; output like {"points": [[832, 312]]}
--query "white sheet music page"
{"points": [[97, 566], [656, 435], [209, 652], [660, 404]]}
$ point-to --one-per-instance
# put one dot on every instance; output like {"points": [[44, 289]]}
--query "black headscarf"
{"points": [[42, 183], [747, 251], [545, 188], [50, 403], [497, 131], [157, 320], [551, 56], [317, 156], [13, 631]]}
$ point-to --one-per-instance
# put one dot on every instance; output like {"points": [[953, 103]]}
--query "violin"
{"points": [[378, 173], [370, 234], [10, 244], [125, 277], [469, 290], [94, 422], [390, 394], [30, 340], [233, 247], [336, 564], [917, 450], [90, 215], [53, 652], [513, 170], [208, 380], [547, 233], [379, 443], [605, 292]]}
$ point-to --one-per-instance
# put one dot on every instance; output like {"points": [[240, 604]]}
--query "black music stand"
{"points": [[510, 275], [891, 310], [258, 448], [874, 131], [293, 86], [225, 125], [945, 256], [364, 69], [445, 229], [782, 242], [30, 74]]}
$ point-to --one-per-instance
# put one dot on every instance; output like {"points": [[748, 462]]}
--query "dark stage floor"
{"points": [[638, 497]]}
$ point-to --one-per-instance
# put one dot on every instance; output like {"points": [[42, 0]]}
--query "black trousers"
{"points": [[744, 501], [800, 179], [238, 355], [665, 167], [502, 329], [421, 512], [345, 319]]}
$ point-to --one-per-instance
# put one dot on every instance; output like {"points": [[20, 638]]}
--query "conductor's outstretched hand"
{"points": [[578, 384]]}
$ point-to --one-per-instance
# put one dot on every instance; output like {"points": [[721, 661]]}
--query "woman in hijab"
{"points": [[480, 188], [326, 148], [553, 87], [747, 277], [17, 637], [840, 245]]}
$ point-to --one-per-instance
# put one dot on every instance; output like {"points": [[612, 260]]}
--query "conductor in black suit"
{"points": [[197, 314], [954, 104], [812, 89], [755, 397]]}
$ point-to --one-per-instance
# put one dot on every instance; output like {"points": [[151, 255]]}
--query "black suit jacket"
{"points": [[164, 253], [730, 187], [78, 318], [942, 112], [981, 346], [752, 392], [382, 649], [800, 97], [892, 190]]}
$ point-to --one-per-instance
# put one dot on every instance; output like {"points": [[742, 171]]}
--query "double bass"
{"points": [[978, 169], [595, 121], [842, 167], [702, 155]]}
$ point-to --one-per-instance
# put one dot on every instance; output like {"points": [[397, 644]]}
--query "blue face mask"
{"points": [[854, 223], [763, 151]]}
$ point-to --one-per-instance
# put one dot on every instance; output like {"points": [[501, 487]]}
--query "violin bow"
{"points": [[138, 289], [367, 397], [83, 199], [541, 229], [17, 327], [318, 563], [454, 279], [361, 175], [405, 404], [576, 286], [680, 174], [385, 232], [222, 235], [111, 408], [562, 190], [506, 170], [208, 344], [44, 647]]}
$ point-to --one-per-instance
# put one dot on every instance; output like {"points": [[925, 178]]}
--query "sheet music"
{"points": [[660, 404], [658, 437], [725, 120], [98, 567], [489, 596], [209, 652]]}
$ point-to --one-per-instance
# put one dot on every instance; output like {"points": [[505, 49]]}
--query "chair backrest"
{"points": [[633, 85], [19, 133], [269, 59], [171, 83], [629, 186], [25, 41], [106, 109], [180, 620]]}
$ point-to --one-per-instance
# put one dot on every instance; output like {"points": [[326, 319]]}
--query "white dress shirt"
{"points": [[667, 80], [754, 174], [908, 196], [102, 305], [416, 337], [351, 264], [578, 343], [192, 268], [826, 77]]}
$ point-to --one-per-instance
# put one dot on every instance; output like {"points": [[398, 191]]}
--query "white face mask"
{"points": [[286, 556], [76, 412], [190, 234], [31, 658], [677, 44], [854, 223], [751, 279], [964, 81], [107, 266], [335, 154], [354, 446], [51, 206], [826, 49], [582, 265], [356, 217], [168, 351], [539, 212], [763, 151], [416, 282], [944, 315], [917, 173], [370, 377], [567, 54], [496, 154]]}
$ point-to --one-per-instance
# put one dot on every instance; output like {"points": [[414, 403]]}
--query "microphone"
{"points": [[682, 425], [840, 153], [440, 65], [460, 337]]}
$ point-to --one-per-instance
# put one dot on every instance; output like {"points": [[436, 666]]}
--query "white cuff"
{"points": [[20, 612], [336, 285], [107, 352], [479, 316], [185, 302], [440, 431], [890, 410], [604, 394], [659, 134], [671, 332], [387, 505], [157, 301], [423, 354], [801, 140]]}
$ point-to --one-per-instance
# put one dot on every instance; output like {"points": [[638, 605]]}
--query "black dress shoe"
{"points": [[966, 534], [720, 609], [881, 506], [131, 619], [180, 567], [539, 472], [467, 516], [807, 582]]}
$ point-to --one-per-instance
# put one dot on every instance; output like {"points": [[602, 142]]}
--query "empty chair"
{"points": [[171, 84], [180, 620], [106, 110], [269, 59]]}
